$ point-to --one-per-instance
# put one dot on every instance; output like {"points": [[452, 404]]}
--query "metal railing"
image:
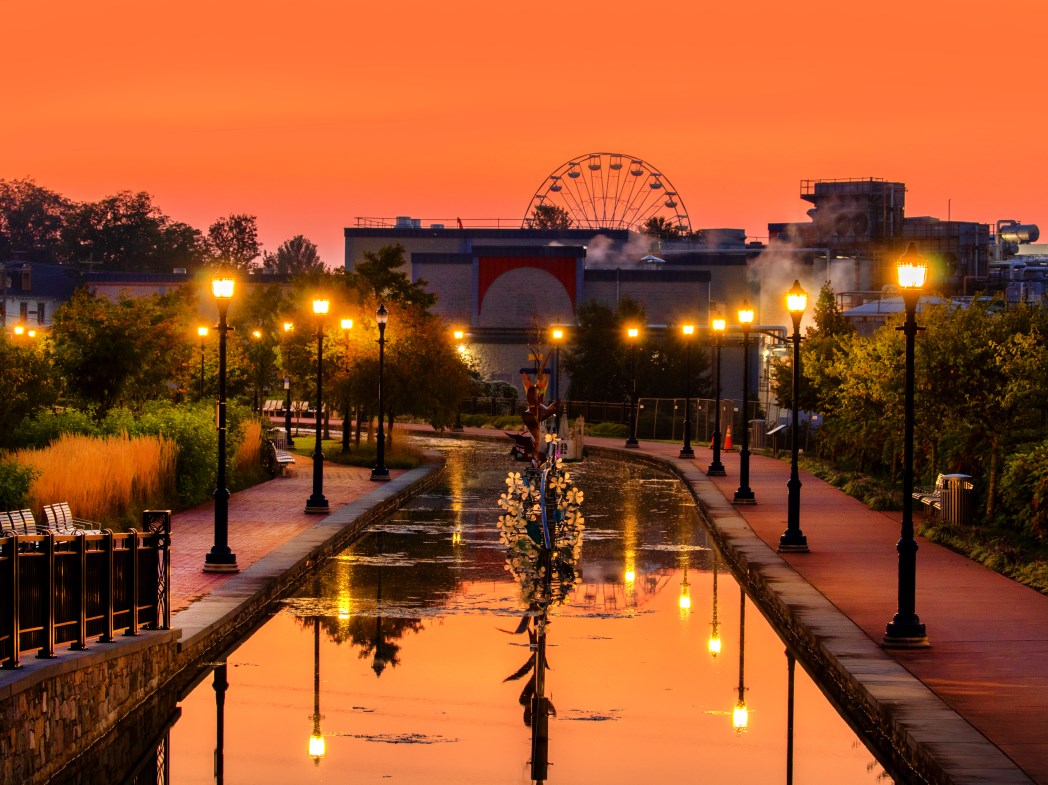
{"points": [[65, 589]]}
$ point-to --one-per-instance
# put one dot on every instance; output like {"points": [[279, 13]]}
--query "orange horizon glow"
{"points": [[314, 116]]}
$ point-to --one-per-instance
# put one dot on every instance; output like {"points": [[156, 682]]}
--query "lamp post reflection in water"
{"points": [[740, 716], [316, 739], [684, 598], [221, 684], [791, 664]]}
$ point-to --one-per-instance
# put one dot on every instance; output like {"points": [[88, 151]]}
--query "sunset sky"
{"points": [[311, 114]]}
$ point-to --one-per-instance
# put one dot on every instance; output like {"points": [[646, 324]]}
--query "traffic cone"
{"points": [[727, 439]]}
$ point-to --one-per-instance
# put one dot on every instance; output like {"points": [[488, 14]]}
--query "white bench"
{"points": [[17, 522], [59, 519]]}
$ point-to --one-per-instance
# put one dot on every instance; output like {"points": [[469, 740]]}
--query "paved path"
{"points": [[261, 519]]}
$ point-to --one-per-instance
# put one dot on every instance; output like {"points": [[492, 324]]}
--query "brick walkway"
{"points": [[260, 519]]}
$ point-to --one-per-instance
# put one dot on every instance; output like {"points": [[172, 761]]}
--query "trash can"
{"points": [[757, 434], [958, 498]]}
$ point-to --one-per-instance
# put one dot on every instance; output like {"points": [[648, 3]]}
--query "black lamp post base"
{"points": [[716, 470], [905, 635], [744, 496], [793, 543], [687, 452], [317, 505], [380, 474], [221, 561], [632, 443]]}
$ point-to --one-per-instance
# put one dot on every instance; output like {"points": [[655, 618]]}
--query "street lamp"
{"points": [[347, 325], [257, 335], [380, 473], [632, 333], [906, 631], [221, 558], [792, 540], [557, 334], [316, 503], [687, 330], [288, 327], [716, 468], [202, 333], [460, 336], [744, 495]]}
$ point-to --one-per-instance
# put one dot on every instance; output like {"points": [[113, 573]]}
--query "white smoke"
{"points": [[603, 253]]}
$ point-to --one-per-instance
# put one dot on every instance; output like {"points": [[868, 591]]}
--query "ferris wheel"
{"points": [[609, 191]]}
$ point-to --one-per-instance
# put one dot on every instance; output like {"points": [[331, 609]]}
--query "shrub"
{"points": [[15, 482], [610, 429], [192, 428], [45, 427], [1024, 490]]}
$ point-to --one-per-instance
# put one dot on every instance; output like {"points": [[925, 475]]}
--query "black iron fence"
{"points": [[65, 589]]}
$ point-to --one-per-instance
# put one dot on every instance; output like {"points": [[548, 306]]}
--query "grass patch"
{"points": [[402, 455]]}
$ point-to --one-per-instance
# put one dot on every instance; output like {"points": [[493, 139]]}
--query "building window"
{"points": [[40, 311]]}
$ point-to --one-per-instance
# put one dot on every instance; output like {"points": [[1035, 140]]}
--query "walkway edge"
{"points": [[923, 738]]}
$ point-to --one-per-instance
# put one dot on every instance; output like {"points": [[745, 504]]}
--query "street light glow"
{"points": [[256, 334], [688, 329], [719, 324], [347, 324], [746, 313], [796, 298], [289, 326], [202, 332], [222, 288], [320, 307], [558, 334], [459, 335], [632, 332], [912, 269]]}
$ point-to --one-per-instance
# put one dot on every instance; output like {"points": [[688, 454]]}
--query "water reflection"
{"points": [[424, 600]]}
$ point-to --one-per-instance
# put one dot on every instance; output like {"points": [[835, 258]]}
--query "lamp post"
{"points": [[380, 473], [202, 334], [316, 503], [347, 422], [792, 540], [288, 327], [460, 336], [744, 494], [257, 335], [221, 558], [906, 631], [631, 440], [716, 468], [687, 330]]}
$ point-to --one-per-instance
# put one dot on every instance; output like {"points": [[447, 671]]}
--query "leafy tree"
{"points": [[297, 255], [658, 226], [27, 383], [31, 220], [127, 231], [379, 277], [233, 241], [549, 216]]}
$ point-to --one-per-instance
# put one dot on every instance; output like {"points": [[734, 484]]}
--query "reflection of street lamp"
{"points": [[221, 558], [317, 503], [460, 336], [380, 473], [684, 598], [316, 739], [906, 631], [744, 495], [740, 716], [631, 440], [202, 333], [714, 643], [220, 684], [791, 663], [716, 468], [792, 540], [687, 331]]}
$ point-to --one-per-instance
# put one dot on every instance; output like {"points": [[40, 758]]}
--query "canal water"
{"points": [[411, 657]]}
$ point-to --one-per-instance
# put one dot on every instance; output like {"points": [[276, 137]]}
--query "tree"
{"points": [[127, 231], [233, 241], [27, 383], [297, 255], [31, 221], [658, 226], [549, 216], [379, 276]]}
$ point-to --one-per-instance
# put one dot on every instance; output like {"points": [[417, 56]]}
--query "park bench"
{"points": [[279, 457], [17, 522], [931, 499], [58, 519]]}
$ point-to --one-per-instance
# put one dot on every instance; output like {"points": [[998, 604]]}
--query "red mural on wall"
{"points": [[560, 267]]}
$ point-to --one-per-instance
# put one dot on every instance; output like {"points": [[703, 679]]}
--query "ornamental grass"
{"points": [[109, 480]]}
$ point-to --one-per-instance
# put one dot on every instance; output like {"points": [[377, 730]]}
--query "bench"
{"points": [[58, 519], [279, 458], [17, 522], [931, 499]]}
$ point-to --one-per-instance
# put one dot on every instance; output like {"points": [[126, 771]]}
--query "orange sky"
{"points": [[310, 114]]}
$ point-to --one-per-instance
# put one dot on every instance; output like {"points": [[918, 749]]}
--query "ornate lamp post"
{"points": [[716, 468], [202, 334], [317, 503], [631, 440], [557, 334], [906, 631], [347, 325], [288, 327], [380, 473], [792, 540], [744, 495], [221, 558], [687, 330], [460, 336]]}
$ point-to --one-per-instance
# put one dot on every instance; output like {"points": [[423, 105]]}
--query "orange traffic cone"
{"points": [[727, 439]]}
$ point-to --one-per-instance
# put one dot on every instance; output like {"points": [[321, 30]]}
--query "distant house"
{"points": [[31, 291]]}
